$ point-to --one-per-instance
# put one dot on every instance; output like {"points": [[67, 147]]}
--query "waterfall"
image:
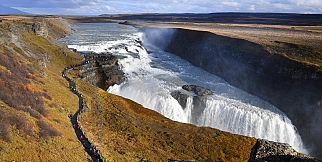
{"points": [[244, 119], [189, 107], [152, 76], [151, 95]]}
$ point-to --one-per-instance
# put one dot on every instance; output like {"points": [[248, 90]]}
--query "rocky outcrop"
{"points": [[40, 29], [200, 91], [102, 70], [268, 151], [294, 87], [198, 102], [180, 97]]}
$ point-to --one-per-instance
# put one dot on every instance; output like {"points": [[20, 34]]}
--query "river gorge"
{"points": [[254, 92], [293, 87]]}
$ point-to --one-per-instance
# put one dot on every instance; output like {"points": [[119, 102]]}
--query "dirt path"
{"points": [[88, 146]]}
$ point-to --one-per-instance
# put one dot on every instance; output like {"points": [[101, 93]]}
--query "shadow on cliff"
{"points": [[293, 87]]}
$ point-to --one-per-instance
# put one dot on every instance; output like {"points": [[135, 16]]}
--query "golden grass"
{"points": [[121, 129], [125, 131], [32, 147]]}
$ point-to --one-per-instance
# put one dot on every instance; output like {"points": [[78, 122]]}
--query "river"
{"points": [[152, 74]]}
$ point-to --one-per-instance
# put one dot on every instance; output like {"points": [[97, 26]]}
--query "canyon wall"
{"points": [[102, 70], [294, 87]]}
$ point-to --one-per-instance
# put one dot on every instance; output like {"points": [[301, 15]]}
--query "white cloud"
{"points": [[231, 4], [109, 8], [282, 6], [251, 8], [166, 6]]}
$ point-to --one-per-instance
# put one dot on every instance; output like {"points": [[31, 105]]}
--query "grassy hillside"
{"points": [[35, 102]]}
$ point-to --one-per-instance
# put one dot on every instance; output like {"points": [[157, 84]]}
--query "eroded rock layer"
{"points": [[102, 70]]}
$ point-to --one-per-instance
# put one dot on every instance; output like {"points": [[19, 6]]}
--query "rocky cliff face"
{"points": [[292, 86], [102, 70], [265, 151], [199, 100], [40, 29]]}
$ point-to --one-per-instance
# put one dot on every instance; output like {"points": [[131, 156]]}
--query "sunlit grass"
{"points": [[125, 131], [121, 129], [60, 103]]}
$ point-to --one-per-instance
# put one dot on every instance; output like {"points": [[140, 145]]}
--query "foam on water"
{"points": [[152, 77]]}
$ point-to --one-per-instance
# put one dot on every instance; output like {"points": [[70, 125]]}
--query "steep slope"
{"points": [[36, 102]]}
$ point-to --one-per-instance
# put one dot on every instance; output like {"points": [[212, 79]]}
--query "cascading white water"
{"points": [[229, 115], [152, 77]]}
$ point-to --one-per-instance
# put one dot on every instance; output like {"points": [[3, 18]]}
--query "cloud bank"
{"points": [[96, 7]]}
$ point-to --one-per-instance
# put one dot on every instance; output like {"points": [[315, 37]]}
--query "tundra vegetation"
{"points": [[35, 102]]}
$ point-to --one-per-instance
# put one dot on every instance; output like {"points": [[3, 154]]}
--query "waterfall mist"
{"points": [[160, 36], [152, 76]]}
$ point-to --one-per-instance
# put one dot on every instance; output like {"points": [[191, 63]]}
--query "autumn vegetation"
{"points": [[17, 92], [34, 107], [35, 102]]}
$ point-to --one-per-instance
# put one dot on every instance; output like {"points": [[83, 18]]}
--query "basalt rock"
{"points": [[180, 97], [200, 91], [199, 105], [101, 70], [199, 100], [268, 151]]}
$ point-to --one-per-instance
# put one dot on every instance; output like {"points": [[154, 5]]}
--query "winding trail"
{"points": [[88, 146]]}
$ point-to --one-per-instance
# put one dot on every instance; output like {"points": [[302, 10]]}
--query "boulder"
{"points": [[200, 91], [180, 97], [199, 101], [266, 151]]}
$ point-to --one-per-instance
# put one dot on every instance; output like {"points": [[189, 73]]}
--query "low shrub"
{"points": [[4, 125], [47, 130], [33, 113], [17, 92], [15, 85], [20, 121]]}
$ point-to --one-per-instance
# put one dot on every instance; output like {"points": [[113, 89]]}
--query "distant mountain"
{"points": [[9, 10]]}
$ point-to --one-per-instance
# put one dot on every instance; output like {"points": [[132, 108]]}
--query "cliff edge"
{"points": [[264, 70]]}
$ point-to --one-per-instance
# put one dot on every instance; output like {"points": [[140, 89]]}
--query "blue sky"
{"points": [[96, 7]]}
